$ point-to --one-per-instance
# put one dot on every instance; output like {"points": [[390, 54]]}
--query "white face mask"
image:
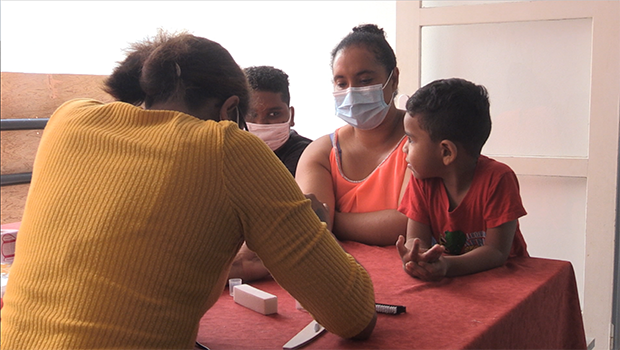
{"points": [[362, 107], [274, 135]]}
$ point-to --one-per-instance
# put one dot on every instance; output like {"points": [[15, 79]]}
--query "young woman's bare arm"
{"points": [[313, 174]]}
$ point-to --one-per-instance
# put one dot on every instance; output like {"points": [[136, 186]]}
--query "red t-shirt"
{"points": [[492, 200]]}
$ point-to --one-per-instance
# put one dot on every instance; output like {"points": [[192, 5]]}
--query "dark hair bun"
{"points": [[124, 83], [373, 38], [369, 28]]}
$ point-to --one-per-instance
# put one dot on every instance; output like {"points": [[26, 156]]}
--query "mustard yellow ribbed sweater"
{"points": [[133, 219]]}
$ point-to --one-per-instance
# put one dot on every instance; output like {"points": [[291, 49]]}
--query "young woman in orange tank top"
{"points": [[360, 171]]}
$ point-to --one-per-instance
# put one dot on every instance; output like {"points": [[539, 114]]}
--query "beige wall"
{"points": [[25, 95]]}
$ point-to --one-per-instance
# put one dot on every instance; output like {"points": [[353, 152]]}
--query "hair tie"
{"points": [[178, 69]]}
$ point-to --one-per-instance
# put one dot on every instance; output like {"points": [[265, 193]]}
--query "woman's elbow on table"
{"points": [[366, 332]]}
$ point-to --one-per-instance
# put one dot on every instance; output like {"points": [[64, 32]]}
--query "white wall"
{"points": [[88, 37]]}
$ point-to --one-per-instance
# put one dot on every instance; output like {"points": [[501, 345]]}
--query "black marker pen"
{"points": [[390, 309]]}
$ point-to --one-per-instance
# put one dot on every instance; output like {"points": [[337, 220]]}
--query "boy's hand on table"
{"points": [[425, 264], [408, 254], [432, 255], [416, 252], [428, 270]]}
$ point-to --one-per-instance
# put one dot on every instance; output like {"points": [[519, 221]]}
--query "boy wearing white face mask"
{"points": [[271, 117]]}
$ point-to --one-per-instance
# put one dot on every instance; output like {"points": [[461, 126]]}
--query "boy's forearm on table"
{"points": [[480, 259], [420, 231]]}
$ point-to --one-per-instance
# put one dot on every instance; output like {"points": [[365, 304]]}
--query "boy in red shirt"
{"points": [[458, 202]]}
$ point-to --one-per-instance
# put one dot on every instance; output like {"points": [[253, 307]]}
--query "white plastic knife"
{"points": [[311, 331]]}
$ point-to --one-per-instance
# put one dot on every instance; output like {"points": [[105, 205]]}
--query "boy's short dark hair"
{"points": [[453, 109], [267, 78]]}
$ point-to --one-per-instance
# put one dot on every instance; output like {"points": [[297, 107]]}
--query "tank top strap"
{"points": [[336, 144]]}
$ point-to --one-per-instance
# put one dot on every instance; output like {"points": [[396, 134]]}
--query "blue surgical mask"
{"points": [[362, 107]]}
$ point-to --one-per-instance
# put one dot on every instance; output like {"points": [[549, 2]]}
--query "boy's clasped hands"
{"points": [[425, 264]]}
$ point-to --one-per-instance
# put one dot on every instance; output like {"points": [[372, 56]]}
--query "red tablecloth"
{"points": [[529, 303]]}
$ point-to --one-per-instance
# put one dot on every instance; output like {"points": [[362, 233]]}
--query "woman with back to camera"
{"points": [[134, 215], [360, 171]]}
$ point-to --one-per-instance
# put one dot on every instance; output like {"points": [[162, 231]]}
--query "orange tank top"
{"points": [[378, 191]]}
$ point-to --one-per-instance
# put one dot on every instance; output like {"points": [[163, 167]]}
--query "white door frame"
{"points": [[600, 168]]}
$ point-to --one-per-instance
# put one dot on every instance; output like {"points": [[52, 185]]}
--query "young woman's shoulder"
{"points": [[320, 147]]}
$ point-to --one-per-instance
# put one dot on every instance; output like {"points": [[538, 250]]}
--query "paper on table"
{"points": [[309, 333]]}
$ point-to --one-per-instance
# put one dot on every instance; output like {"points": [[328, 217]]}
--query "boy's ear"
{"points": [[449, 151], [292, 121]]}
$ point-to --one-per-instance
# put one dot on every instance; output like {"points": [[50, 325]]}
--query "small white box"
{"points": [[8, 246], [255, 299]]}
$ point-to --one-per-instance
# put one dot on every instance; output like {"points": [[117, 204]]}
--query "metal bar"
{"points": [[23, 124], [15, 179]]}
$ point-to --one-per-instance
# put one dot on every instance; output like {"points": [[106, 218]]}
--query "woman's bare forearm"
{"points": [[375, 228]]}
